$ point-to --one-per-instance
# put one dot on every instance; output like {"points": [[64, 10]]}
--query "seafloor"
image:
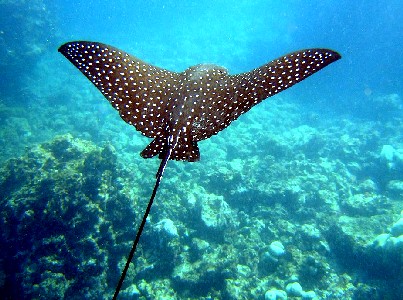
{"points": [[287, 203], [281, 200]]}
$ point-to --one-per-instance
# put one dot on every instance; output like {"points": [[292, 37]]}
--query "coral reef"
{"points": [[62, 208], [302, 216]]}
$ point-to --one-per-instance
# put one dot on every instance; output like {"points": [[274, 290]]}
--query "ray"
{"points": [[177, 110]]}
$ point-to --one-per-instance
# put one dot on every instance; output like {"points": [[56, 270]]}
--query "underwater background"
{"points": [[300, 198]]}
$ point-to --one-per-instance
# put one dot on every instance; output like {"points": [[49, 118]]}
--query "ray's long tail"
{"points": [[143, 222]]}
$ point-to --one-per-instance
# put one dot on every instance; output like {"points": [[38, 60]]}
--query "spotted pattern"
{"points": [[179, 109]]}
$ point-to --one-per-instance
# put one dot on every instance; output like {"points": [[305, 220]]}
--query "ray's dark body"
{"points": [[178, 110]]}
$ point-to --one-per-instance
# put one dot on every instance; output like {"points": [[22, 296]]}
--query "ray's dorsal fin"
{"points": [[179, 109]]}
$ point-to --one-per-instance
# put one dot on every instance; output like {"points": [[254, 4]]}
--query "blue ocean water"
{"points": [[302, 196]]}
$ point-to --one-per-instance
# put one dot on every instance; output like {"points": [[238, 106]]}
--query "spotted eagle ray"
{"points": [[178, 110]]}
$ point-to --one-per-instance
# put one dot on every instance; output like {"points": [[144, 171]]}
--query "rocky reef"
{"points": [[302, 211], [63, 207]]}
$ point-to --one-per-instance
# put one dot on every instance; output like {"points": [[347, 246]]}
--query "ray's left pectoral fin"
{"points": [[283, 72], [135, 88]]}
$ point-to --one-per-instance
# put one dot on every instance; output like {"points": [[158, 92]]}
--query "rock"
{"points": [[167, 228], [208, 266], [269, 259], [391, 243], [308, 295], [392, 157], [243, 271], [276, 249], [384, 254], [130, 293], [381, 240], [237, 288], [310, 232], [294, 289], [366, 204], [395, 188], [398, 242], [275, 294], [368, 186], [215, 212], [200, 245], [387, 153], [397, 228]]}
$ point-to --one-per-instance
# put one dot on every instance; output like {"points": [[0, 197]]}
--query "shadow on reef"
{"points": [[63, 216], [372, 261]]}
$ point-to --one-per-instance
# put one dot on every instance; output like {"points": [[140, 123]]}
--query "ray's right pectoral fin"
{"points": [[183, 150], [284, 72]]}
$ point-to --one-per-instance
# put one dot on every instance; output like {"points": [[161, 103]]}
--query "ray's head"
{"points": [[205, 71]]}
